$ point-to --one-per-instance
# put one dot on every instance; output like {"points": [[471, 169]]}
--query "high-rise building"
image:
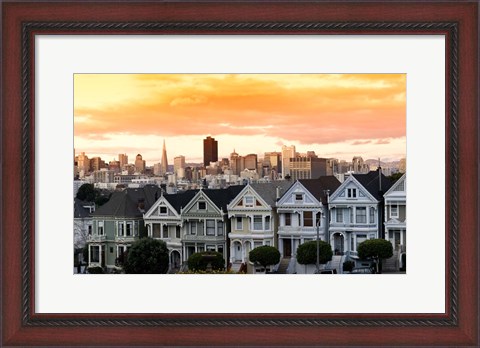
{"points": [[96, 163], [139, 164], [123, 159], [164, 159], [288, 152], [210, 151], [359, 166], [83, 163], [307, 168], [251, 161], [157, 169], [178, 163]]}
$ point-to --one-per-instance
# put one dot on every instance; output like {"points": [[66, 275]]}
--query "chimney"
{"points": [[278, 192]]}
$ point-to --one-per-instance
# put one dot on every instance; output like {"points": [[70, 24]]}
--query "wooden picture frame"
{"points": [[457, 20]]}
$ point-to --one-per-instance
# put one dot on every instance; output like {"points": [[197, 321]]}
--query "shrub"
{"points": [[199, 261], [348, 266], [95, 270], [307, 253], [375, 249], [265, 255], [147, 256]]}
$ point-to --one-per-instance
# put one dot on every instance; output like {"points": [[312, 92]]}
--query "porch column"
{"points": [[232, 251], [89, 253], [401, 236]]}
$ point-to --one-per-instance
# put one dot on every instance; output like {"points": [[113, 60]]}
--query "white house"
{"points": [[356, 212], [396, 218]]}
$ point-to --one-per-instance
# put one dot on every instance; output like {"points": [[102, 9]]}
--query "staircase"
{"points": [[236, 266], [336, 263], [391, 264], [283, 266]]}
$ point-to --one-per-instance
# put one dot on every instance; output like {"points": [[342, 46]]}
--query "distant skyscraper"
{"points": [[164, 159], [139, 164], [210, 150], [178, 163], [251, 161], [287, 153], [307, 167], [123, 159]]}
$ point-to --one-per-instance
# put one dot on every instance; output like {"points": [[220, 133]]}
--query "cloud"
{"points": [[361, 142], [382, 142], [303, 108]]}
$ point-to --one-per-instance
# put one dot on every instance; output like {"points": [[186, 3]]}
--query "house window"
{"points": [[177, 232], [307, 218], [288, 219], [210, 247], [89, 230], [257, 244], [202, 205], [352, 193], [361, 213], [298, 197], [220, 249], [267, 223], [267, 242], [249, 201], [220, 228], [163, 210], [339, 215], [100, 228], [95, 253], [129, 229], [238, 223], [156, 231], [193, 227], [164, 231], [200, 248], [111, 250], [372, 215], [257, 223], [210, 227], [394, 211], [121, 229]]}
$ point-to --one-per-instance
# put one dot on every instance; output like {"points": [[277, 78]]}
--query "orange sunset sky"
{"points": [[335, 115]]}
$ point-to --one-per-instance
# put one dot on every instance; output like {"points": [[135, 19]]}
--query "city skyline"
{"points": [[339, 116]]}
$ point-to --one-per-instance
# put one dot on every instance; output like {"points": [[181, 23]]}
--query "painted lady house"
{"points": [[356, 213], [396, 224], [253, 220], [164, 222], [205, 221], [301, 210], [117, 224]]}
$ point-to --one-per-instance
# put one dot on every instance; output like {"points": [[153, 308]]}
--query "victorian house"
{"points": [[253, 219], [205, 221], [117, 224], [396, 220], [164, 222], [356, 212], [303, 214]]}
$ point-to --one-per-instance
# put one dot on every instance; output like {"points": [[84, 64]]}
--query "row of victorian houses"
{"points": [[237, 219]]}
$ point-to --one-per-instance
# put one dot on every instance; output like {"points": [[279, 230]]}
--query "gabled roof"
{"points": [[221, 197], [126, 203], [180, 200], [371, 183], [79, 210], [397, 183], [268, 191], [319, 187]]}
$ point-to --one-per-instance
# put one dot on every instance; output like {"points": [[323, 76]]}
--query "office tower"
{"points": [[178, 163], [157, 169], [123, 159], [96, 163], [210, 151], [83, 163], [307, 168], [164, 159], [359, 166], [287, 153], [251, 161], [139, 164]]}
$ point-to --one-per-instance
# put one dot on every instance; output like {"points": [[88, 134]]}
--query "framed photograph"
{"points": [[48, 46]]}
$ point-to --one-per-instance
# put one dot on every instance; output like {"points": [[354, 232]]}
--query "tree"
{"points": [[86, 193], [206, 261], [265, 255], [307, 252], [376, 250], [147, 256]]}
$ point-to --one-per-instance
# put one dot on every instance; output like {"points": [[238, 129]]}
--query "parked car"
{"points": [[362, 270]]}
